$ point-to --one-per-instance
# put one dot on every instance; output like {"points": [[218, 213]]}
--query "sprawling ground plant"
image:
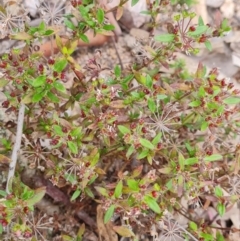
{"points": [[138, 141]]}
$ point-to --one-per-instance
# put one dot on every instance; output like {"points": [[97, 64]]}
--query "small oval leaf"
{"points": [[123, 231], [76, 194], [231, 100], [165, 38], [214, 157], [108, 215], [146, 143], [152, 204]]}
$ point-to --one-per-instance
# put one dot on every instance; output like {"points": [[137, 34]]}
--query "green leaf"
{"points": [[3, 82], [39, 81], [69, 24], [214, 157], [102, 191], [89, 192], [199, 30], [41, 26], [59, 86], [218, 191], [38, 96], [38, 195], [220, 237], [224, 25], [152, 204], [191, 161], [80, 232], [151, 105], [165, 38], [141, 79], [117, 71], [145, 12], [161, 97], [200, 21], [83, 10], [48, 32], [3, 193], [200, 73], [165, 170], [84, 38], [73, 147], [76, 132], [130, 151], [201, 91], [231, 100], [58, 130], [221, 209], [146, 143], [123, 231], [124, 130], [169, 184], [195, 103], [133, 184], [60, 65], [108, 27], [118, 189], [75, 194], [94, 158], [193, 226], [149, 81], [180, 181], [181, 160], [204, 125], [100, 15], [206, 236], [143, 154], [136, 172], [108, 215], [157, 139], [150, 159], [208, 45], [52, 97], [134, 2]]}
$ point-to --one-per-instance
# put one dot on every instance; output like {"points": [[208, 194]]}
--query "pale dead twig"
{"points": [[16, 147]]}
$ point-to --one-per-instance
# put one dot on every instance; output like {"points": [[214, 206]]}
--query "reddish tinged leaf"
{"points": [[218, 18], [79, 74], [201, 70], [53, 191], [170, 28], [211, 198], [137, 171], [4, 159], [164, 64], [118, 104]]}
